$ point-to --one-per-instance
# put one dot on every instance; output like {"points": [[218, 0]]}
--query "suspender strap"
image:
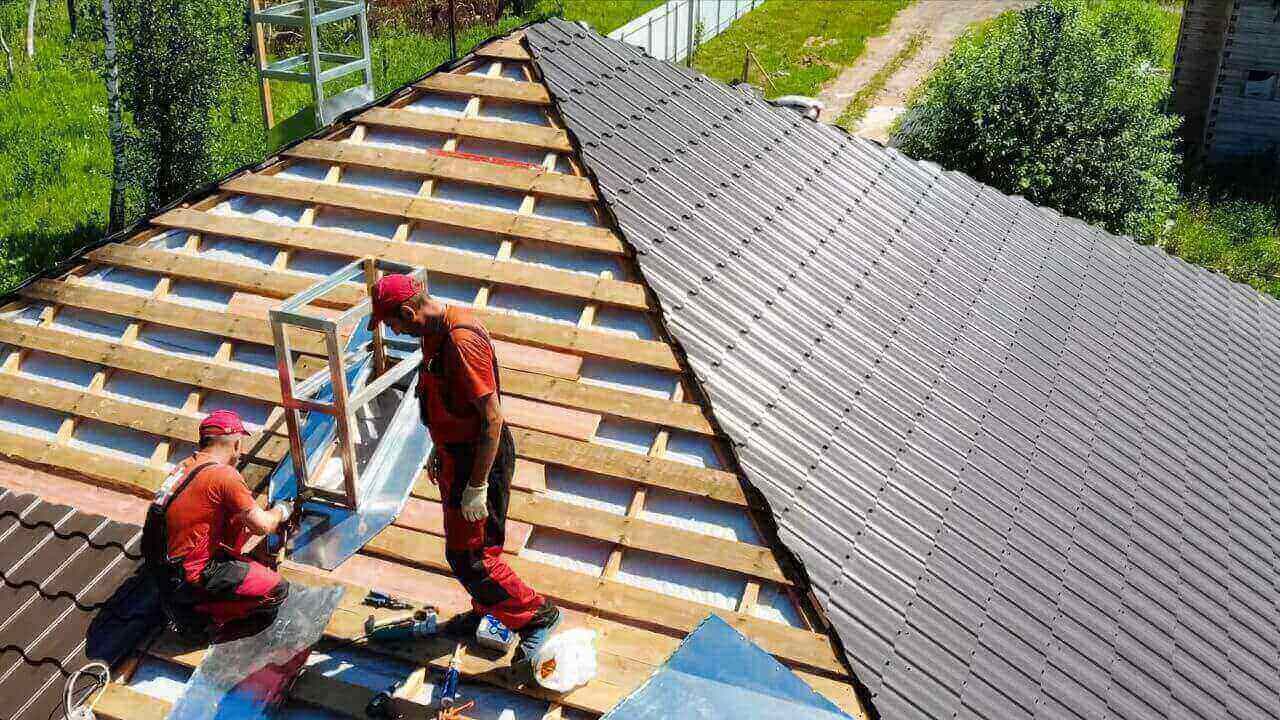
{"points": [[187, 481]]}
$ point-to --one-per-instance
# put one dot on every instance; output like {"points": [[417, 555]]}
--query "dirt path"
{"points": [[943, 20]]}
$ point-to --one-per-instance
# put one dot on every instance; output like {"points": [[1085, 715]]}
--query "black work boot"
{"points": [[461, 626], [535, 632]]}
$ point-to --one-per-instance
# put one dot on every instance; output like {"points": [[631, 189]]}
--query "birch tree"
{"points": [[116, 130]]}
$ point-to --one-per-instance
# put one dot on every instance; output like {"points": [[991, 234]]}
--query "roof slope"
{"points": [[625, 511], [65, 600], [1025, 462]]}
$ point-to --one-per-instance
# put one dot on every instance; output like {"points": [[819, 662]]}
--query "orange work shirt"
{"points": [[454, 375], [199, 520]]}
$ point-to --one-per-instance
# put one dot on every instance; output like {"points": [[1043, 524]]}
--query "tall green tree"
{"points": [[1062, 104], [176, 58]]}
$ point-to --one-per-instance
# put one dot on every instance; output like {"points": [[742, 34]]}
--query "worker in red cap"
{"points": [[198, 523], [472, 460]]}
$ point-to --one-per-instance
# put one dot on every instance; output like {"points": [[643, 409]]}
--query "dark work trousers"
{"points": [[474, 549]]}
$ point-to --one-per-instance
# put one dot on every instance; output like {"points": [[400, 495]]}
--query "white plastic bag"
{"points": [[566, 660]]}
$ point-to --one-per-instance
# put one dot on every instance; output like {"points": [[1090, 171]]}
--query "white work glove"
{"points": [[285, 507], [475, 502]]}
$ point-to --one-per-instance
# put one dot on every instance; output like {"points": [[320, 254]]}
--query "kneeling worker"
{"points": [[473, 457], [195, 528]]}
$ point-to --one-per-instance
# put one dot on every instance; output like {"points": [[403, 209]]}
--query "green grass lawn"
{"points": [[55, 159], [605, 16], [801, 43]]}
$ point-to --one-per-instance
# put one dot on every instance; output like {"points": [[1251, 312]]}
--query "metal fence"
{"points": [[668, 31]]}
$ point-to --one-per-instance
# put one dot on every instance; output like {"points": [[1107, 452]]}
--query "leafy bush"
{"points": [[1059, 103]]}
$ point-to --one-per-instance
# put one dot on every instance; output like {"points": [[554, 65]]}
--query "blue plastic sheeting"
{"points": [[717, 673]]}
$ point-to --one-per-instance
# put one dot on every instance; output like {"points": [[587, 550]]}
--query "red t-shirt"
{"points": [[200, 517], [468, 363]]}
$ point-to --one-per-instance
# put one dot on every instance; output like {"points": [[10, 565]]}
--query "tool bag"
{"points": [[155, 530]]}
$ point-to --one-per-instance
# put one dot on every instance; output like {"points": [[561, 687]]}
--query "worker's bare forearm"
{"points": [[487, 447], [263, 522]]}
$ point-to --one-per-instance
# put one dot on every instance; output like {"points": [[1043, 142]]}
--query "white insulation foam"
{"points": [[505, 151], [238, 251], [682, 579], [57, 368], [625, 322], [402, 139], [565, 258], [774, 604], [578, 213], [567, 551], [29, 419], [515, 112], [91, 322], [628, 376], [357, 222], [636, 437], [179, 341], [451, 105], [700, 515], [546, 307], [696, 450], [388, 181], [26, 314], [114, 439], [469, 241], [312, 170], [589, 490], [207, 296], [277, 211], [514, 71], [451, 290], [147, 389], [468, 194], [122, 280], [316, 263], [255, 357]]}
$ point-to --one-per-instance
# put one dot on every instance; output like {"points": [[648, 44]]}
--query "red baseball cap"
{"points": [[220, 423], [389, 293]]}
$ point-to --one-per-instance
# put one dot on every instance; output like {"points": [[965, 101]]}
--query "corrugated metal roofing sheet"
{"points": [[66, 598], [1027, 464]]}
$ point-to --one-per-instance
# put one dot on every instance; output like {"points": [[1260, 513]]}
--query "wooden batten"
{"points": [[623, 465], [516, 133], [445, 167], [433, 259], [517, 91], [543, 512], [421, 209]]}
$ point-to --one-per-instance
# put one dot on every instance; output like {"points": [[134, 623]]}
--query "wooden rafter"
{"points": [[516, 133]]}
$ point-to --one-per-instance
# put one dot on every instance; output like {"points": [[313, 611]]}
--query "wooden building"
{"points": [[1225, 78]]}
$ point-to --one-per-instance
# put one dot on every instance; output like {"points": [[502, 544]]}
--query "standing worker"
{"points": [[473, 457], [195, 529]]}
